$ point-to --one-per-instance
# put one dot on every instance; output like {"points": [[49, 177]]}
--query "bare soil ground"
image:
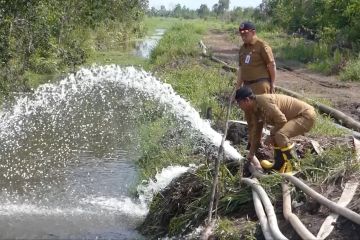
{"points": [[344, 96]]}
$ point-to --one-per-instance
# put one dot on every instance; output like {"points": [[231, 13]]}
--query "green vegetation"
{"points": [[158, 151], [49, 37], [176, 61], [218, 9], [180, 41], [324, 126], [351, 71], [324, 34], [230, 230], [331, 166]]}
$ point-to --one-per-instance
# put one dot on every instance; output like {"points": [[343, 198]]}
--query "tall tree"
{"points": [[203, 11]]}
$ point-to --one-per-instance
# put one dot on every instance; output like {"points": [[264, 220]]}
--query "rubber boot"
{"points": [[282, 157]]}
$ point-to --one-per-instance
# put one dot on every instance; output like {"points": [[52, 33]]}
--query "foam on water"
{"points": [[100, 204]]}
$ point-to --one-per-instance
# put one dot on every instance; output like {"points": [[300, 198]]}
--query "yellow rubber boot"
{"points": [[282, 157]]}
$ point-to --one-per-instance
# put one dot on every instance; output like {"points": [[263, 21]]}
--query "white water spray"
{"points": [[125, 78], [59, 105]]}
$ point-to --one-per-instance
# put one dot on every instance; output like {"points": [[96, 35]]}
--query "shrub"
{"points": [[351, 71]]}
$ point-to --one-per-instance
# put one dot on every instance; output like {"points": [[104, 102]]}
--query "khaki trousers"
{"points": [[258, 88], [295, 127], [261, 87]]}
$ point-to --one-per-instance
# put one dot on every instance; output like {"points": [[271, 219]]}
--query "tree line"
{"points": [[45, 36], [218, 10], [330, 21]]}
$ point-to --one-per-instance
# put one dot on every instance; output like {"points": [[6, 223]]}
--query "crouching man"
{"points": [[289, 117]]}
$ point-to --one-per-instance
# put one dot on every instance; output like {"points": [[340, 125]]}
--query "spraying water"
{"points": [[68, 152]]}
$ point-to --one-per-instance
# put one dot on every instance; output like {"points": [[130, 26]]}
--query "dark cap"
{"points": [[246, 26], [242, 93]]}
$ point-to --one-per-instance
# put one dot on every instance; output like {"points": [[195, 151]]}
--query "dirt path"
{"points": [[341, 95]]}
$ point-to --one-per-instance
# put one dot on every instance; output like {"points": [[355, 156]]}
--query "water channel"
{"points": [[68, 153]]}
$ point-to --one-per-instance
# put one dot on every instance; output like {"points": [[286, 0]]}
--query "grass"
{"points": [[229, 230], [333, 164], [181, 40], [324, 126], [153, 23], [351, 71], [124, 58], [317, 56], [159, 150]]}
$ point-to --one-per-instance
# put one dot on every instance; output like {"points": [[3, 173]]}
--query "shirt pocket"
{"points": [[242, 57]]}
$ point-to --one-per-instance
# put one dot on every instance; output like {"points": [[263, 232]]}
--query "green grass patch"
{"points": [[35, 79], [351, 71], [181, 40], [324, 126], [159, 150], [199, 85], [227, 229], [318, 56], [153, 23], [124, 58], [333, 164]]}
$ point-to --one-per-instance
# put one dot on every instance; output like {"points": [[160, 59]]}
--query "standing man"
{"points": [[289, 117], [256, 65], [256, 62]]}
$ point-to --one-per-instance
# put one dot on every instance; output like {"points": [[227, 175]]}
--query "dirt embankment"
{"points": [[180, 207], [341, 95]]}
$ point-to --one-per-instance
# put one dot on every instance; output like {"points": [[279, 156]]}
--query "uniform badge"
{"points": [[247, 59]]}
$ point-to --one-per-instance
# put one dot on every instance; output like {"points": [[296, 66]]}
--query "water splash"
{"points": [[49, 98], [60, 154]]}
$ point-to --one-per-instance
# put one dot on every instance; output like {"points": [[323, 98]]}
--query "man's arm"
{"points": [[268, 57], [272, 72], [255, 131], [239, 81]]}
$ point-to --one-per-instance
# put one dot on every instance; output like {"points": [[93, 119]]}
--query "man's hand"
{"points": [[272, 88], [269, 141], [254, 161]]}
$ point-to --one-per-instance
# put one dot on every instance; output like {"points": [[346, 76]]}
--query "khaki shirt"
{"points": [[253, 60], [274, 110]]}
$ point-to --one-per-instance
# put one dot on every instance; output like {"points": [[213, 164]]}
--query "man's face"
{"points": [[247, 35], [245, 104]]}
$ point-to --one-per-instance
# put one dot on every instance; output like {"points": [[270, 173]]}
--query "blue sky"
{"points": [[193, 4]]}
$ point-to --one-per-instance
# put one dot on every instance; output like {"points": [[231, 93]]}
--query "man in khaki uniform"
{"points": [[256, 65], [289, 117], [256, 62]]}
